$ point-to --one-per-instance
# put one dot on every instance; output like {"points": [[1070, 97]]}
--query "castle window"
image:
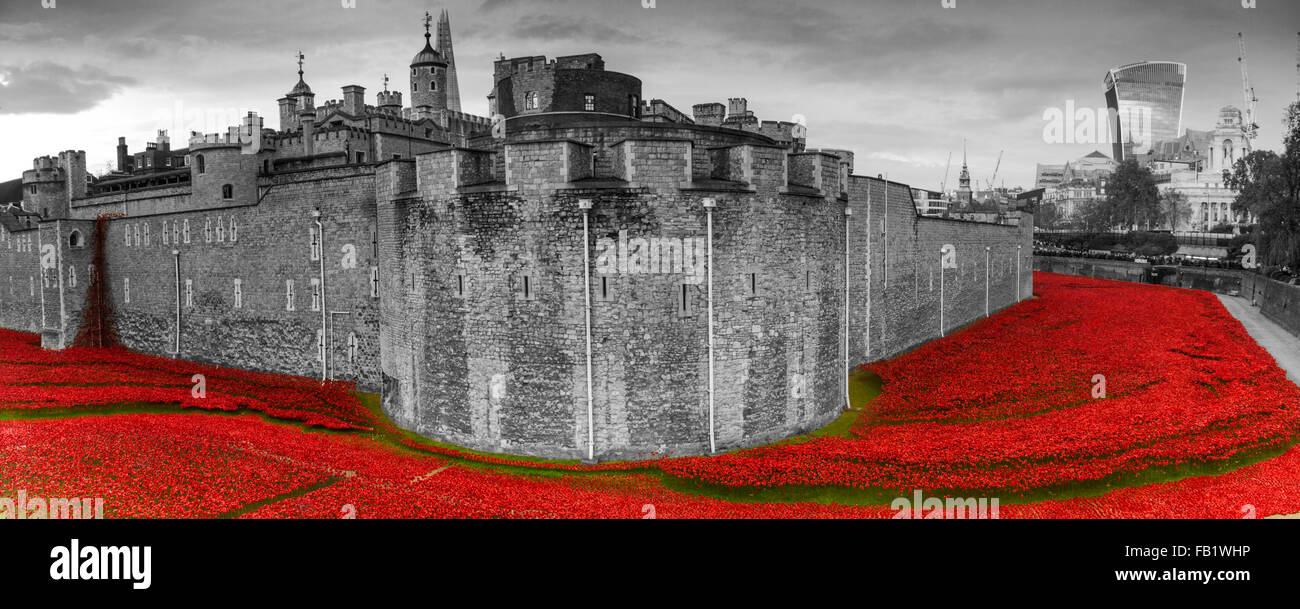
{"points": [[315, 243], [374, 282], [751, 283], [221, 230], [361, 158], [320, 345], [315, 294], [207, 230], [528, 287], [685, 304], [126, 232], [589, 103], [605, 290], [72, 276], [74, 239], [186, 230], [352, 347], [288, 294], [415, 86], [126, 290], [530, 100], [176, 235], [32, 189], [239, 293], [634, 104], [227, 192], [200, 164], [234, 231], [189, 292], [433, 85], [460, 285], [146, 234], [137, 234]]}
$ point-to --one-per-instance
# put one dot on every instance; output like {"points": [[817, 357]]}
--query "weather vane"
{"points": [[428, 22], [300, 57], [385, 83]]}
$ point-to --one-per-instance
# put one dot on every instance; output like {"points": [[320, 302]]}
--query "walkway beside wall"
{"points": [[1281, 344]]}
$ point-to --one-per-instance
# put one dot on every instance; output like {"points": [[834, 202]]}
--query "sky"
{"points": [[902, 83]]}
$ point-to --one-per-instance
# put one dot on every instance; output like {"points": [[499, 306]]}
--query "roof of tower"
{"points": [[300, 88], [427, 56]]}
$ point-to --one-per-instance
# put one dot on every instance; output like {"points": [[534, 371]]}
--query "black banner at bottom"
{"points": [[310, 559]]}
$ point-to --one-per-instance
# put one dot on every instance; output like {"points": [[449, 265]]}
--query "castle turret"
{"points": [[428, 76], [288, 113], [299, 98]]}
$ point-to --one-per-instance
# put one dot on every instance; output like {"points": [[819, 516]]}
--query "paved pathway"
{"points": [[1282, 345]]}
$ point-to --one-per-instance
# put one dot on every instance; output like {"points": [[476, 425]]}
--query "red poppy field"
{"points": [[1197, 422]]}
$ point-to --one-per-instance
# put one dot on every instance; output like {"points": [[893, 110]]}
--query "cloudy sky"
{"points": [[901, 82]]}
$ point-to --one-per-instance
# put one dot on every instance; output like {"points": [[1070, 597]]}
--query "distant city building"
{"points": [[1197, 173], [1146, 100], [1073, 187], [930, 202]]}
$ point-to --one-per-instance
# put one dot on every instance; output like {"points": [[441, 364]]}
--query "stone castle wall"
{"points": [[454, 283], [483, 302], [259, 246]]}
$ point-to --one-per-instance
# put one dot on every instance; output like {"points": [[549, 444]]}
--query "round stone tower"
{"points": [[428, 76]]}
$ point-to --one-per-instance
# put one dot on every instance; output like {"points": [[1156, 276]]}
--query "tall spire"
{"points": [[444, 49]]}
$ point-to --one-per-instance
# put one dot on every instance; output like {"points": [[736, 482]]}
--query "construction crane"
{"points": [[1251, 128], [943, 188], [995, 170]]}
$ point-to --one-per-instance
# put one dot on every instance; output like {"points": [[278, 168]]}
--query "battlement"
{"points": [[248, 136], [654, 164]]}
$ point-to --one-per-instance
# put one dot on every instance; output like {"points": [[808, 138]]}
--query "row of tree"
{"points": [[1269, 187]]}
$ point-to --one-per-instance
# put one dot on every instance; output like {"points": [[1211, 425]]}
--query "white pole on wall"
{"points": [[987, 251], [868, 267], [848, 213], [941, 286], [585, 206], [709, 204], [324, 336], [176, 253], [1018, 273], [40, 250]]}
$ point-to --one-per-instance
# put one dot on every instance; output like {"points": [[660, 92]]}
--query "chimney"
{"points": [[307, 118], [121, 155], [354, 99], [164, 142]]}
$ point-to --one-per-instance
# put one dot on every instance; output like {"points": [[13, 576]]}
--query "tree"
{"points": [[1132, 199], [1268, 186], [1047, 215], [1174, 209]]}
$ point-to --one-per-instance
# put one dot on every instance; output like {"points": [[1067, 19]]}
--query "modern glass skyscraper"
{"points": [[1146, 102]]}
